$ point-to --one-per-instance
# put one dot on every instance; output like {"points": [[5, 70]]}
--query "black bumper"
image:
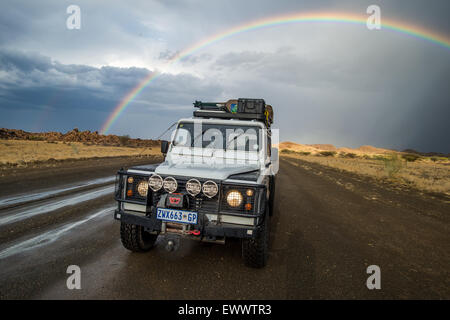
{"points": [[207, 228]]}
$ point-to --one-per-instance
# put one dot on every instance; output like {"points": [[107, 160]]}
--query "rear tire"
{"points": [[256, 251], [135, 238]]}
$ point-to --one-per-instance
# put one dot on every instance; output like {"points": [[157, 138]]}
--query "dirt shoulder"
{"points": [[339, 223], [49, 174], [424, 176]]}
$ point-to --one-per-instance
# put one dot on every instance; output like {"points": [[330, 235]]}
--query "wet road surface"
{"points": [[327, 229]]}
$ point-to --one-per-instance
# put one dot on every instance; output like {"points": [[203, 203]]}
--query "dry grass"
{"points": [[423, 175], [22, 152], [318, 148]]}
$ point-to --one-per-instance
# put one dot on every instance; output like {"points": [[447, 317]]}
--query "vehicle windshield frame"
{"points": [[233, 134]]}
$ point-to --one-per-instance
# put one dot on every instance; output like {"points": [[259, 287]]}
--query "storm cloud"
{"points": [[66, 96], [328, 82]]}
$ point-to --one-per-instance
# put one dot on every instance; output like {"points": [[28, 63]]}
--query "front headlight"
{"points": [[210, 188], [170, 184], [142, 188], [234, 198], [155, 182], [193, 187]]}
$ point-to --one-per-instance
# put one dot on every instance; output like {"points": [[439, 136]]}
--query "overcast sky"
{"points": [[328, 82]]}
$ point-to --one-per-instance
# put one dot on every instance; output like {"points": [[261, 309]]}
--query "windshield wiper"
{"points": [[195, 138], [201, 134], [228, 144], [234, 138]]}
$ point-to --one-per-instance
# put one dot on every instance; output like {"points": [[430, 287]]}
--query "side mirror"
{"points": [[164, 146]]}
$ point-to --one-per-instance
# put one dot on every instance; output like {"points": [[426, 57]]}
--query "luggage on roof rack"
{"points": [[251, 105], [242, 108]]}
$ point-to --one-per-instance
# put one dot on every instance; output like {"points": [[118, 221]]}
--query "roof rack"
{"points": [[242, 109]]}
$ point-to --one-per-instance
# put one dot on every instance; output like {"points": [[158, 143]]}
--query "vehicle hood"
{"points": [[204, 170]]}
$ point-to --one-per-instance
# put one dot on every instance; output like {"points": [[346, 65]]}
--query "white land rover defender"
{"points": [[217, 181]]}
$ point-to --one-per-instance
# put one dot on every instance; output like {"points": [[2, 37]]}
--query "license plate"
{"points": [[174, 215]]}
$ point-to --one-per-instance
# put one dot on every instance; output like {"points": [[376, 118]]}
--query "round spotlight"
{"points": [[234, 198], [210, 188], [155, 182], [170, 184], [142, 188], [193, 187], [249, 192], [130, 180]]}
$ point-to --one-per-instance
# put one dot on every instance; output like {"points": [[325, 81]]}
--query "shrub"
{"points": [[304, 153], [410, 157], [124, 140], [74, 148], [392, 165], [381, 158], [287, 151], [35, 138], [327, 153], [349, 155]]}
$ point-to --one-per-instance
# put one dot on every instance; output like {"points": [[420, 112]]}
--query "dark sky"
{"points": [[328, 82]]}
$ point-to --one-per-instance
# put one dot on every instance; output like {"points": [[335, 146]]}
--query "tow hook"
{"points": [[172, 243], [194, 232]]}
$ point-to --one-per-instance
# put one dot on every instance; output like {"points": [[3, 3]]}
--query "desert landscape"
{"points": [[429, 172], [424, 171], [21, 149], [337, 211]]}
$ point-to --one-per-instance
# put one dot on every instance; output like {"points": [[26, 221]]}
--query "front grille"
{"points": [[199, 202]]}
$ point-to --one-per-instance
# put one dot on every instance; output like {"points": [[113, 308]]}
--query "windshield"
{"points": [[217, 136]]}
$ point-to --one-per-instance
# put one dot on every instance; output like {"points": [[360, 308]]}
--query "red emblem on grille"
{"points": [[174, 200]]}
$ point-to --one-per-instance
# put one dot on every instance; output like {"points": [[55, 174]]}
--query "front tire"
{"points": [[256, 251], [272, 196], [135, 238]]}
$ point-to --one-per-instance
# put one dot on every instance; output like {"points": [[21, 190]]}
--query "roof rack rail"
{"points": [[209, 105]]}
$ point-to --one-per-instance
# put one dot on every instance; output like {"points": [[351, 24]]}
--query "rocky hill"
{"points": [[87, 137]]}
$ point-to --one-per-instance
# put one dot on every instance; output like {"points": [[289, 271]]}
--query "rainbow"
{"points": [[397, 26]]}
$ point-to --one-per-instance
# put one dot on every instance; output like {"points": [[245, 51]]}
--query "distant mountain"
{"points": [[427, 154]]}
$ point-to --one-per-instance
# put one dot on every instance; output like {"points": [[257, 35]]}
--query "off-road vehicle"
{"points": [[217, 182]]}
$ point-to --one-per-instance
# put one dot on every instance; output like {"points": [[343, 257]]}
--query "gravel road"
{"points": [[328, 227]]}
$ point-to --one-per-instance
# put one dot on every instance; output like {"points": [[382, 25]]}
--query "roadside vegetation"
{"points": [[21, 153], [430, 174]]}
